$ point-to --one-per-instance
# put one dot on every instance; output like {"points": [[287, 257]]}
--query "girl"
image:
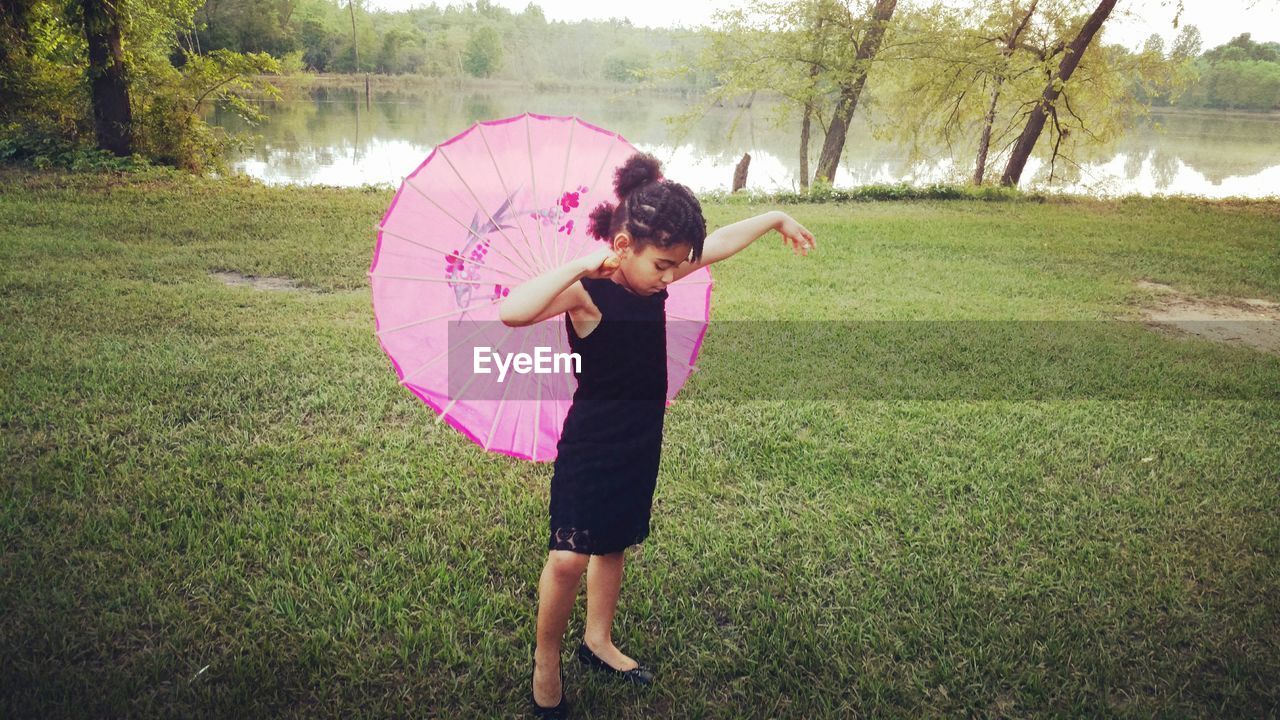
{"points": [[607, 462]]}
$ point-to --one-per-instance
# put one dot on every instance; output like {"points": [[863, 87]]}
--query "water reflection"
{"points": [[331, 138]]}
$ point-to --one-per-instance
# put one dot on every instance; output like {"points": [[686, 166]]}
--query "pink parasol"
{"points": [[498, 204]]}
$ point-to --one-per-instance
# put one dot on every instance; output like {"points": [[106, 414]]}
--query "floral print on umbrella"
{"points": [[466, 264]]}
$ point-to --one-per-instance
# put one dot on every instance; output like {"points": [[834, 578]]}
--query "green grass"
{"points": [[219, 502]]}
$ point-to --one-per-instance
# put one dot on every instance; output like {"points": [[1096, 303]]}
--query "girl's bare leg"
{"points": [[557, 591], [604, 578]]}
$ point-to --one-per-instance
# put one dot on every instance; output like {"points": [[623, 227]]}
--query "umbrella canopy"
{"points": [[498, 204]]}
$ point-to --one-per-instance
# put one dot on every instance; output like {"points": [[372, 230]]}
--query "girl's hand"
{"points": [[600, 264], [795, 235]]}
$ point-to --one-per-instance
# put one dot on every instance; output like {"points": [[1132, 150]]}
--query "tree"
{"points": [[814, 53], [483, 54], [113, 74], [962, 78], [112, 115], [817, 41], [953, 74], [1039, 114], [1008, 41], [626, 65], [866, 47], [1187, 44], [355, 41]]}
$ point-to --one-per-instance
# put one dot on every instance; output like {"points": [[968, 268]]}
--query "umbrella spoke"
{"points": [[533, 187], [537, 416], [464, 226], [404, 380], [497, 415], [397, 236], [564, 180], [585, 239], [441, 316], [524, 260], [682, 362], [516, 214], [462, 391], [432, 280]]}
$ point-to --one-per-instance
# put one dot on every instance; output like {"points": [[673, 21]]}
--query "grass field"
{"points": [[218, 502]]}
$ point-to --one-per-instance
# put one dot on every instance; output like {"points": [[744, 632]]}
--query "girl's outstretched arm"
{"points": [[555, 291], [728, 240]]}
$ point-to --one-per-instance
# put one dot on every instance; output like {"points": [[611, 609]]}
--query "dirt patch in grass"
{"points": [[1252, 322], [260, 282]]}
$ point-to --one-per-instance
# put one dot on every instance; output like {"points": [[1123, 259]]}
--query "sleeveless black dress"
{"points": [[606, 466]]}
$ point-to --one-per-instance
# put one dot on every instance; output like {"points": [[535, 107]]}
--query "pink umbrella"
{"points": [[488, 209]]}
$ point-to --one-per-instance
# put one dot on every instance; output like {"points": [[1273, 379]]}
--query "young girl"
{"points": [[607, 462]]}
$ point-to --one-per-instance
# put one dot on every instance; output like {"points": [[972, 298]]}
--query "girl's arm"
{"points": [[728, 240], [555, 291]]}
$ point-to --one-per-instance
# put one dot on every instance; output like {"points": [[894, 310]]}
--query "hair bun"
{"points": [[600, 220], [639, 170]]}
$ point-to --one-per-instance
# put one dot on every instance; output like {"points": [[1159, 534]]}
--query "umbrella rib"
{"points": [[584, 240], [564, 179], [682, 362], [502, 181], [479, 204], [537, 416], [497, 414], [404, 380], [467, 384], [432, 280], [459, 311], [398, 236], [600, 169], [533, 187], [461, 224], [605, 159]]}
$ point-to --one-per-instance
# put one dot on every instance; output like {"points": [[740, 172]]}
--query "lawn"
{"points": [[218, 501]]}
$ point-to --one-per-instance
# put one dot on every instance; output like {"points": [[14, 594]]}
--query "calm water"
{"points": [[331, 138]]}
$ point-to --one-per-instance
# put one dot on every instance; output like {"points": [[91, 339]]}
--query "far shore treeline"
{"points": [[124, 83]]}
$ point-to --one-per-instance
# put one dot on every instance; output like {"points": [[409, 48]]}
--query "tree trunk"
{"points": [[804, 147], [984, 143], [838, 130], [355, 43], [14, 35], [1035, 123], [807, 121], [112, 116]]}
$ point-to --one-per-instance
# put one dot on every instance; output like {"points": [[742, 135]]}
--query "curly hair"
{"points": [[653, 210]]}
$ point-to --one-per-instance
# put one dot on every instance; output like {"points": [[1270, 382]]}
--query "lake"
{"points": [[328, 136]]}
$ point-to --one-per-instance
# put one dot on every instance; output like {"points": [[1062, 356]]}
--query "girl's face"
{"points": [[649, 270]]}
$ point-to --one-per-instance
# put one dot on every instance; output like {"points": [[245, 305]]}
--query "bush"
{"points": [[822, 191], [26, 146]]}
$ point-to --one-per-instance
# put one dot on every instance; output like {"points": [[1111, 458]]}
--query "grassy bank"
{"points": [[218, 502]]}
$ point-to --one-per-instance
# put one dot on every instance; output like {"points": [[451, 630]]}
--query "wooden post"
{"points": [[740, 172]]}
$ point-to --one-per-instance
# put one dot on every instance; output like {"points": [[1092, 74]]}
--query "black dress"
{"points": [[606, 465]]}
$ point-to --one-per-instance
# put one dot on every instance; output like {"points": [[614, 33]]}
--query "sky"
{"points": [[1130, 25]]}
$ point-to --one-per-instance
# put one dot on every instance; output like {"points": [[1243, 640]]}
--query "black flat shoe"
{"points": [[561, 709], [640, 675]]}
